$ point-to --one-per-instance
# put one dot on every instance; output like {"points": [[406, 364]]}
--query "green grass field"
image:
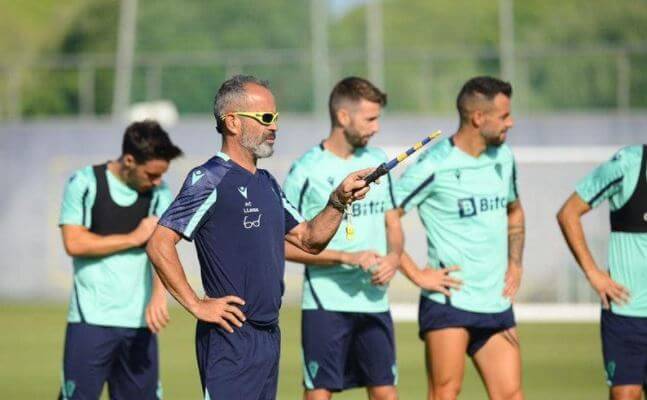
{"points": [[561, 361]]}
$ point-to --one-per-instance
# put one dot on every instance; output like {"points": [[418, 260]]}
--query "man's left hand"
{"points": [[512, 281], [386, 269], [157, 313]]}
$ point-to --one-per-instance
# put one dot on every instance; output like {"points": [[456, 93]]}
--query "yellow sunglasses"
{"points": [[265, 118]]}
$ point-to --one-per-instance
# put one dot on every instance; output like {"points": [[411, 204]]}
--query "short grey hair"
{"points": [[233, 91]]}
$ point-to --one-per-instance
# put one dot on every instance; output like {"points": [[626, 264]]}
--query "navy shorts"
{"points": [[243, 365], [480, 326], [343, 350], [125, 358], [624, 347]]}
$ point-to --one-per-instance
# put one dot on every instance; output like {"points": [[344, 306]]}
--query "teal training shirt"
{"points": [[462, 203], [615, 181], [113, 290], [308, 186]]}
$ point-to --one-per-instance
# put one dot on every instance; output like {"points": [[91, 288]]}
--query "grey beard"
{"points": [[263, 150], [260, 150]]}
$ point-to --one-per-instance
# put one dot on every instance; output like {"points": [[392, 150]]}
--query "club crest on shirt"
{"points": [[498, 169], [331, 180]]}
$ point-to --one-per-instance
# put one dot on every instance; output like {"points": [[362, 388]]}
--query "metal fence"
{"points": [[427, 79]]}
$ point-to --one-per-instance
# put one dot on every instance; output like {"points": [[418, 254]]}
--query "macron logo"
{"points": [[243, 191], [197, 174]]}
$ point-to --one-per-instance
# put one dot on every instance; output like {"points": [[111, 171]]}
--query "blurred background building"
{"points": [[70, 72]]}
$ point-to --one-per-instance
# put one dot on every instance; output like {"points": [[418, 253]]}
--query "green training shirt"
{"points": [[616, 180], [308, 186], [462, 203], [113, 290]]}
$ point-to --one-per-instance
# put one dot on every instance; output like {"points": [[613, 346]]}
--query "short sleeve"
{"points": [[415, 185], [292, 216], [513, 192], [189, 210], [295, 187], [602, 183], [390, 201], [163, 200], [75, 207]]}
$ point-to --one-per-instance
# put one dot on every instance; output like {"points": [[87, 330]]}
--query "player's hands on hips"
{"points": [[144, 230], [385, 269], [352, 187], [361, 259], [512, 281], [607, 288], [157, 313], [222, 311], [438, 280]]}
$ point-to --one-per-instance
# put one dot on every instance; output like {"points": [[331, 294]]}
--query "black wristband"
{"points": [[336, 204]]}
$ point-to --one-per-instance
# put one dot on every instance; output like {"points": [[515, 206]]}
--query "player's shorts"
{"points": [[125, 358], [624, 348], [343, 350], [243, 365], [480, 326]]}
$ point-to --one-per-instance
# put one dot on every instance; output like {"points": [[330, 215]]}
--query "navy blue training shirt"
{"points": [[238, 221]]}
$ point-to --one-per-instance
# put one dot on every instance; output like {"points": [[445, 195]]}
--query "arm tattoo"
{"points": [[516, 238]]}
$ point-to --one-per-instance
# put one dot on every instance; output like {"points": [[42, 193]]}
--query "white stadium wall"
{"points": [[553, 152]]}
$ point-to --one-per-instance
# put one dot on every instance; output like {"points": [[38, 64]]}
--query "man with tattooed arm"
{"points": [[466, 193]]}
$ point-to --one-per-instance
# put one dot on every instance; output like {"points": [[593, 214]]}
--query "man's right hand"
{"points": [[363, 259], [606, 288], [351, 188], [144, 230], [438, 280], [221, 311]]}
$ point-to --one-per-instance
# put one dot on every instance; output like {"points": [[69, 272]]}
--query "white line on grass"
{"points": [[524, 312]]}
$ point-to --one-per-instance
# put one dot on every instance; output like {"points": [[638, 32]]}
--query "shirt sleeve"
{"points": [[163, 200], [292, 216], [415, 185], [390, 201], [191, 207], [513, 192], [75, 207], [295, 187], [603, 182]]}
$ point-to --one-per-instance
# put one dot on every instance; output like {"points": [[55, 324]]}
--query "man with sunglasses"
{"points": [[347, 331], [239, 219]]}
